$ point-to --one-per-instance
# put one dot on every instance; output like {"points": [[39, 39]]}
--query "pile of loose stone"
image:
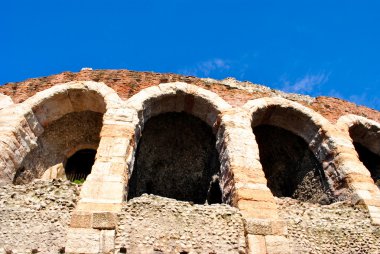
{"points": [[337, 228], [34, 217], [153, 224]]}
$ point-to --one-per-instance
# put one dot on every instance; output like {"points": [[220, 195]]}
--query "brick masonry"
{"points": [[128, 100]]}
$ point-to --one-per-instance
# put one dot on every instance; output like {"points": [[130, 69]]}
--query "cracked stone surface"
{"points": [[151, 223]]}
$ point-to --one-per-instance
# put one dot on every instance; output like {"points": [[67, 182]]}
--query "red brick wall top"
{"points": [[127, 83]]}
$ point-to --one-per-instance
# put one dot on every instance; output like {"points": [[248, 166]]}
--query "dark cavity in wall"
{"points": [[290, 168], [176, 158], [370, 160], [365, 140], [73, 130], [78, 166]]}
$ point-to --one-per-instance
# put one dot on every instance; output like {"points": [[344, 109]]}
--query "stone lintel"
{"points": [[265, 226]]}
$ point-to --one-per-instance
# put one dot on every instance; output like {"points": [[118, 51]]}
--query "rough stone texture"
{"points": [[152, 224], [58, 141], [290, 167], [336, 228], [127, 83], [176, 158], [230, 108], [5, 101], [36, 216]]}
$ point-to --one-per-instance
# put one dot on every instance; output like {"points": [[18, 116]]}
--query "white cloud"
{"points": [[204, 69], [335, 93], [360, 99], [308, 83], [365, 99]]}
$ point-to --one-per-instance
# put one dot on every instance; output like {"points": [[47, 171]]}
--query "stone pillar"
{"points": [[92, 227], [355, 174], [244, 184]]}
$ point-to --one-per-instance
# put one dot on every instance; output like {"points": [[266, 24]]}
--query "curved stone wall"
{"points": [[365, 135], [60, 139], [23, 124], [242, 179], [314, 129]]}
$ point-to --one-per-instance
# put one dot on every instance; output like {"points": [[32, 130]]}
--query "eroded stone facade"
{"points": [[149, 224], [337, 228], [60, 140], [36, 216], [120, 104]]}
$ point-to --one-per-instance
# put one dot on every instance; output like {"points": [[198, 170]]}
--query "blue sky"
{"points": [[312, 47]]}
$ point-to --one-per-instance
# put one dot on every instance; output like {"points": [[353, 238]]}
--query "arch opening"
{"points": [[290, 167], [176, 158], [366, 145], [79, 165], [61, 139]]}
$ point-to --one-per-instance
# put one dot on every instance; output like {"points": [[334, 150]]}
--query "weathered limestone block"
{"points": [[56, 171], [104, 220], [263, 227], [80, 219], [256, 244], [107, 241], [83, 240], [103, 191], [5, 101], [277, 244]]}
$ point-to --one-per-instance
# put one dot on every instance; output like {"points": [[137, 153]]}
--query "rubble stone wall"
{"points": [[152, 224], [35, 216], [337, 228]]}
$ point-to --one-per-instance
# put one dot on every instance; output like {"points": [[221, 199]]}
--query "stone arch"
{"points": [[187, 104], [36, 117], [53, 103], [301, 130], [365, 135], [177, 97]]}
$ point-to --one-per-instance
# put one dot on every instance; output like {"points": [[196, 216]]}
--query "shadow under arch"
{"points": [[63, 118], [295, 150], [175, 142], [365, 135]]}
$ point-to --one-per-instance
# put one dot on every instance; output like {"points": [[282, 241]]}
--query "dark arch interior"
{"points": [[370, 160], [364, 138], [75, 129], [176, 158], [290, 168], [78, 166]]}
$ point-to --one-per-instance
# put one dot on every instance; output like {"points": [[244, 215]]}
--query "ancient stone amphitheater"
{"points": [[116, 161]]}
